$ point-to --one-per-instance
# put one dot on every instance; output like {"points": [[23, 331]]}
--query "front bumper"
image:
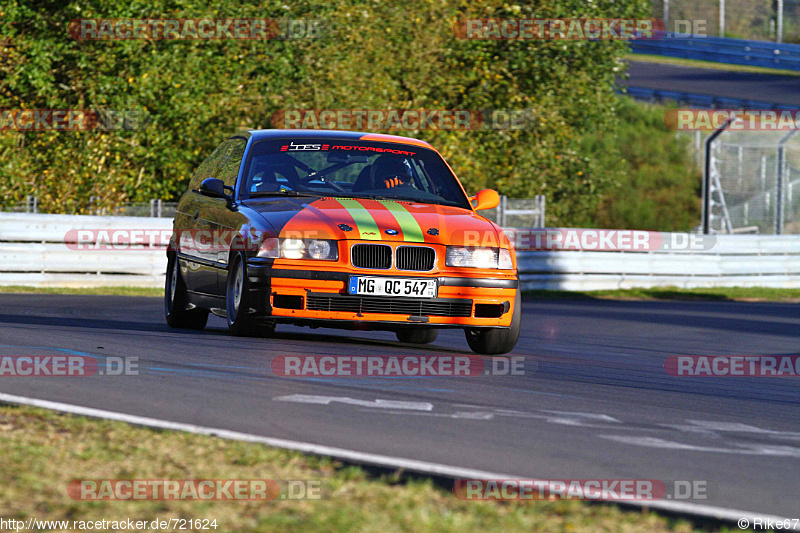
{"points": [[321, 295]]}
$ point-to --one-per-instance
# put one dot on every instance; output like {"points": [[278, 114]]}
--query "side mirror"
{"points": [[485, 199], [213, 187]]}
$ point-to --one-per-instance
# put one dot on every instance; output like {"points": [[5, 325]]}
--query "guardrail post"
{"points": [[31, 204], [779, 32], [722, 18], [707, 175], [542, 202], [779, 197], [698, 154]]}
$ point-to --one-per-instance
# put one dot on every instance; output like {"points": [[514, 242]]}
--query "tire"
{"points": [[237, 301], [496, 341], [175, 300], [417, 335]]}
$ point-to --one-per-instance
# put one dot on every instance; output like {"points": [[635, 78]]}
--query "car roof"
{"points": [[334, 135]]}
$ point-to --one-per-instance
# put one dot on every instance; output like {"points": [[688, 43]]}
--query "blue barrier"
{"points": [[723, 50], [697, 100]]}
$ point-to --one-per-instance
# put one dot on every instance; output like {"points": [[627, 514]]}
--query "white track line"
{"points": [[423, 467]]}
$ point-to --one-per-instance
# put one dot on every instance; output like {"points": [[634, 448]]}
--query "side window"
{"points": [[230, 168], [208, 168]]}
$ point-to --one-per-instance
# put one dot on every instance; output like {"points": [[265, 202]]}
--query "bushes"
{"points": [[662, 185], [372, 55]]}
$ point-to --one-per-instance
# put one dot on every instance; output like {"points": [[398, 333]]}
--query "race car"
{"points": [[344, 230]]}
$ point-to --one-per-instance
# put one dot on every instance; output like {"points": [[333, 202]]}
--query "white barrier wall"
{"points": [[732, 260], [40, 250]]}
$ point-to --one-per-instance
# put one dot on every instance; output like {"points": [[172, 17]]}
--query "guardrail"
{"points": [[38, 250], [704, 101], [733, 261], [723, 50], [35, 250]]}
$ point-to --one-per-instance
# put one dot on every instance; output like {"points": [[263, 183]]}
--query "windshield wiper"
{"points": [[281, 193], [402, 199]]}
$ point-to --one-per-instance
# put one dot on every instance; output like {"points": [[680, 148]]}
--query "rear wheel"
{"points": [[237, 301], [495, 341], [175, 300], [417, 335]]}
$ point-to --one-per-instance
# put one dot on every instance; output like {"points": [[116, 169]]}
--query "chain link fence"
{"points": [[154, 208], [752, 182], [512, 212], [518, 212], [760, 20]]}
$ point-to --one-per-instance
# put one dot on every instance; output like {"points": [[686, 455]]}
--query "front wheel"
{"points": [[237, 301], [175, 300], [497, 341]]}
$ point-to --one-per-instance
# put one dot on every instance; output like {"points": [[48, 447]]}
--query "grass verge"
{"points": [[650, 58], [44, 450], [107, 291], [740, 294]]}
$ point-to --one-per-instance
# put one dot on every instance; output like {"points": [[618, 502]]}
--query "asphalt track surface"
{"points": [[594, 402], [770, 88]]}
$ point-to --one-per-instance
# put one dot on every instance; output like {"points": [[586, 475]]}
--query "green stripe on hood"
{"points": [[363, 220], [408, 224]]}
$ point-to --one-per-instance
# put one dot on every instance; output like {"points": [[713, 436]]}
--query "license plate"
{"points": [[412, 288]]}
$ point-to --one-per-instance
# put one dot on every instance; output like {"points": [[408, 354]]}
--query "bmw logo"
{"points": [[392, 232]]}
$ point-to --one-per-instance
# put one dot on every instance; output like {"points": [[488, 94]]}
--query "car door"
{"points": [[197, 262], [222, 215]]}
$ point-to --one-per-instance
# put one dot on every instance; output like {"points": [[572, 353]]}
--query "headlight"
{"points": [[293, 248], [504, 261], [270, 247], [319, 249], [461, 256], [299, 249]]}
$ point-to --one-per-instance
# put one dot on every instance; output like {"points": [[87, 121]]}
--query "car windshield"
{"points": [[355, 169]]}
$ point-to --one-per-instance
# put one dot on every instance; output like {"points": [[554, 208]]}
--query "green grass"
{"points": [[743, 294], [43, 451], [107, 291], [649, 58]]}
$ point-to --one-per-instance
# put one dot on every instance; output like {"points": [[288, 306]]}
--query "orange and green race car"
{"points": [[340, 229]]}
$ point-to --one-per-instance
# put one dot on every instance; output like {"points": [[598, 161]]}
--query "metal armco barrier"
{"points": [[723, 50], [734, 261], [699, 100], [33, 252]]}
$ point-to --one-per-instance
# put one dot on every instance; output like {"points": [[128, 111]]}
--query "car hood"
{"points": [[379, 220]]}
